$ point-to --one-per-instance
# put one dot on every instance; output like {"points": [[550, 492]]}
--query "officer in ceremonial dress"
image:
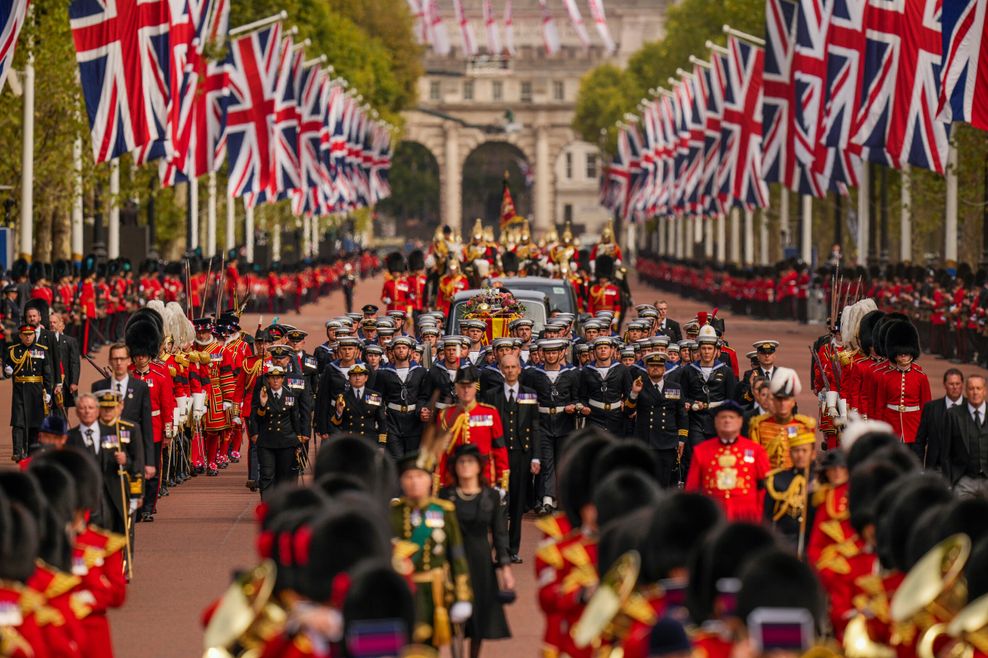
{"points": [[32, 369], [276, 429], [657, 415], [360, 410], [789, 492], [774, 431]]}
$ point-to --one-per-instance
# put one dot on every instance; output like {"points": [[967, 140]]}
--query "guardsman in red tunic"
{"points": [[607, 245], [903, 388], [451, 283], [87, 303], [416, 284], [395, 294], [604, 295], [730, 468], [470, 421]]}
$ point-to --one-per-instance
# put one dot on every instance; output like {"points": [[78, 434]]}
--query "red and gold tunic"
{"points": [[210, 375], [449, 285], [548, 566], [395, 293], [480, 425], [900, 397], [730, 473], [604, 298], [775, 436]]}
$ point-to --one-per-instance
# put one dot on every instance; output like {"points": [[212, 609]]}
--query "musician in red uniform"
{"points": [[604, 295], [451, 283], [473, 422], [730, 468], [144, 344], [395, 291], [903, 388]]}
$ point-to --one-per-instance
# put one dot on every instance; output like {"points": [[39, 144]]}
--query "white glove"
{"points": [[227, 405], [177, 420], [188, 407], [181, 406], [842, 407], [7, 370], [133, 504], [460, 612], [503, 493], [198, 406], [833, 397], [47, 397]]}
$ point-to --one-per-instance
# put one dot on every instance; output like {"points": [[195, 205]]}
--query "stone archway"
{"points": [[483, 173], [413, 209]]}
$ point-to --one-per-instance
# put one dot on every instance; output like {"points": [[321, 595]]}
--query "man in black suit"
{"points": [[518, 407], [965, 451], [67, 360], [275, 427], [666, 325], [933, 424], [113, 445], [658, 415], [136, 399], [765, 354]]}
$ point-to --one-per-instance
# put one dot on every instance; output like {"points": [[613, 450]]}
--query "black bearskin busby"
{"points": [[604, 267], [901, 338]]}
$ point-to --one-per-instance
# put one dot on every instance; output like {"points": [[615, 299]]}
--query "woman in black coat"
{"points": [[485, 537]]}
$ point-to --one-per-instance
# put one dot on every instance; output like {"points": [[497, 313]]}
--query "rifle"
{"points": [[819, 365], [205, 287], [105, 372]]}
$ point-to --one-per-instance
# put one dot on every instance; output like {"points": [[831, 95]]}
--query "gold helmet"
{"points": [[453, 265], [552, 236], [526, 233], [567, 233], [607, 235], [478, 230], [438, 235], [488, 233]]}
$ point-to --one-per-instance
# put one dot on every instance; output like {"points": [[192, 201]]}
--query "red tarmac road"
{"points": [[205, 529]]}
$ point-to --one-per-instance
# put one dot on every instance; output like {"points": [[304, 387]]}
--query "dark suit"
{"points": [[932, 431], [671, 329], [962, 450], [742, 392], [659, 420], [363, 416], [67, 365], [114, 505], [523, 438], [277, 427], [136, 409]]}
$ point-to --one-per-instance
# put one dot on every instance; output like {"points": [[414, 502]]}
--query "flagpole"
{"points": [[749, 236], [248, 232], [744, 36], [27, 155], [806, 229], [715, 47], [192, 216], [258, 24], [211, 214], [275, 240], [864, 216], [950, 221], [77, 206], [699, 62], [113, 228], [231, 218], [306, 235], [906, 221]]}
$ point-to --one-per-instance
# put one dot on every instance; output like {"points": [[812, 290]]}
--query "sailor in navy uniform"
{"points": [[706, 384], [604, 385], [401, 385], [658, 417], [274, 426], [360, 410]]}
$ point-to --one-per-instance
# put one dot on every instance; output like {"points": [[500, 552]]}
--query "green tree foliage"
{"points": [[605, 95]]}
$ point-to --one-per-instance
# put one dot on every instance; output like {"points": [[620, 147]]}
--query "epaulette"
{"points": [[172, 371], [548, 552], [820, 495], [918, 367], [60, 583], [396, 502], [125, 423], [754, 421], [181, 359], [114, 541], [42, 346], [808, 421], [485, 406], [445, 504], [846, 357]]}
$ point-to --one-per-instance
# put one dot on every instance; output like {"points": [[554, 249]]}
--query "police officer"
{"points": [[359, 410], [32, 369], [658, 416], [276, 429], [557, 385], [604, 383], [400, 384]]}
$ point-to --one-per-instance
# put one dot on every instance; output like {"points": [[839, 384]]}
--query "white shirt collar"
{"points": [[508, 388], [96, 438], [358, 392], [952, 403], [981, 409], [123, 384]]}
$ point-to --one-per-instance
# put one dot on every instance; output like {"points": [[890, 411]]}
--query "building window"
{"points": [[468, 90], [497, 90], [568, 213], [558, 90], [569, 166], [592, 166], [435, 91], [526, 92]]}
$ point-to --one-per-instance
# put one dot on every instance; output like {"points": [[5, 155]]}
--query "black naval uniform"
{"points": [[786, 504], [402, 393], [523, 438], [440, 379], [555, 390], [363, 415], [490, 378], [299, 381], [605, 392], [34, 377], [277, 427], [658, 419], [334, 380], [709, 392]]}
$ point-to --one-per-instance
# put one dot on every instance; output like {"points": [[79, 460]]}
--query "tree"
{"points": [[605, 95]]}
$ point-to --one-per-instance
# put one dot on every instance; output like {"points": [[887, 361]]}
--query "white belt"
{"points": [[714, 405], [156, 413], [551, 410], [398, 407], [442, 405], [902, 408], [606, 406]]}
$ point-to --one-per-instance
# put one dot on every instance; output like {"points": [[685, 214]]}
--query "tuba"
{"points": [[607, 601], [246, 617], [966, 633], [934, 591]]}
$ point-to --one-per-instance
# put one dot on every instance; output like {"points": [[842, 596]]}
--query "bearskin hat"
{"points": [[509, 262], [36, 271], [21, 546], [901, 338], [354, 456], [604, 267], [678, 526], [775, 578], [323, 556], [377, 598], [576, 485], [867, 482], [143, 337], [84, 471], [416, 260], [623, 491], [866, 328], [906, 504], [395, 262]]}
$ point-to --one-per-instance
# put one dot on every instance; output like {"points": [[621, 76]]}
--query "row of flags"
{"points": [[836, 83], [430, 27], [286, 127]]}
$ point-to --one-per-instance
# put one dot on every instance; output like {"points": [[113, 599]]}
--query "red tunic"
{"points": [[548, 565], [215, 419], [395, 293], [162, 390], [481, 426], [901, 395], [731, 475], [604, 298]]}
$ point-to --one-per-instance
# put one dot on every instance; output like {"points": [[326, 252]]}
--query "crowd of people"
{"points": [[684, 503]]}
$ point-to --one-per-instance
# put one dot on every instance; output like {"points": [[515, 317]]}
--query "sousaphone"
{"points": [[605, 604], [966, 633], [246, 617]]}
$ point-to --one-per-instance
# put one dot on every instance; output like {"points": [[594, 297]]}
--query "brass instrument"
{"points": [[246, 617], [934, 591], [858, 643], [613, 592]]}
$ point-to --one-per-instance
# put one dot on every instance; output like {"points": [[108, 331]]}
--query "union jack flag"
{"points": [[200, 144], [964, 77], [901, 84], [123, 51], [11, 19], [696, 123], [711, 131], [741, 127], [668, 139], [285, 172], [253, 60], [311, 198], [777, 147]]}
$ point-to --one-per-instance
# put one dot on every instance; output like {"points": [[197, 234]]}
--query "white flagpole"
{"points": [[211, 214], [77, 207], [194, 209], [27, 160], [113, 230], [248, 232], [231, 218]]}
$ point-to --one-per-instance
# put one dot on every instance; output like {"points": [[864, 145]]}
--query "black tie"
{"points": [[977, 417], [511, 396], [89, 438]]}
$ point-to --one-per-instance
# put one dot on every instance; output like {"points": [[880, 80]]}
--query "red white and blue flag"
{"points": [[286, 171], [311, 197], [964, 76], [254, 61], [741, 178], [714, 84], [12, 15], [123, 51]]}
